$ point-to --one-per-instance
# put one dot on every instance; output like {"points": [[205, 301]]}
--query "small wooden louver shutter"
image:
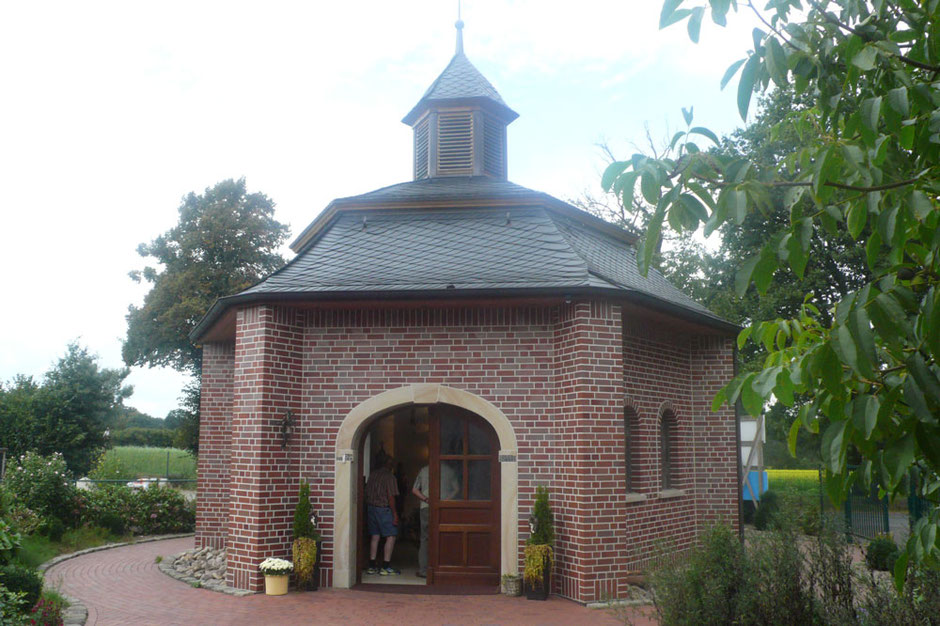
{"points": [[421, 149], [455, 142], [493, 163]]}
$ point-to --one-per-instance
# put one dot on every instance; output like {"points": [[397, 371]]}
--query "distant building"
{"points": [[496, 333]]}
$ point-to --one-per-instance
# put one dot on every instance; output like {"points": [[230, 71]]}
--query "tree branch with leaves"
{"points": [[867, 161]]}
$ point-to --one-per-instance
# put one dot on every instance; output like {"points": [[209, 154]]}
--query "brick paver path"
{"points": [[124, 586]]}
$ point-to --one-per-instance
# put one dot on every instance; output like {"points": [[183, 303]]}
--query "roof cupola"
{"points": [[460, 123]]}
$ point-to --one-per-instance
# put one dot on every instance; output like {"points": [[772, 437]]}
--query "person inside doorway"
{"points": [[383, 521], [422, 491]]}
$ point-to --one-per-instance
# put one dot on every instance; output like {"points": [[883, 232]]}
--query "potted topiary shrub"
{"points": [[539, 555], [306, 547], [276, 574]]}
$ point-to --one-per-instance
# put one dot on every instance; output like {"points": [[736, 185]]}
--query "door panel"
{"points": [[464, 514]]}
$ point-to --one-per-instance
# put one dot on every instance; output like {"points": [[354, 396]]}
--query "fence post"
{"points": [[168, 465], [848, 514]]}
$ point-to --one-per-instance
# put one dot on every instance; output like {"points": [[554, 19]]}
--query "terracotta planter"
{"points": [[276, 585]]}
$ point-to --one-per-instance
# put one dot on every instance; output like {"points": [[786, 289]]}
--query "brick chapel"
{"points": [[465, 323]]}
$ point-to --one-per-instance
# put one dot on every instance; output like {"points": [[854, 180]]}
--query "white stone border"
{"points": [[347, 468], [166, 566], [77, 613]]}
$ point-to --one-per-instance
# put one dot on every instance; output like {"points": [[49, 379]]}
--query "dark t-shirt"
{"points": [[381, 482]]}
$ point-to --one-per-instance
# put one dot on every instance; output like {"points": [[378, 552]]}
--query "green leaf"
{"points": [[753, 402], [687, 115], [832, 450], [921, 204], [649, 187], [857, 218], [743, 278], [792, 436], [746, 84], [900, 571], [776, 62], [695, 23], [872, 406], [731, 71], [871, 113], [612, 172], [668, 14], [720, 398], [897, 100], [701, 130], [796, 256], [866, 57], [847, 349], [743, 335], [784, 389], [906, 137], [914, 398], [873, 249], [720, 11], [928, 440], [899, 454]]}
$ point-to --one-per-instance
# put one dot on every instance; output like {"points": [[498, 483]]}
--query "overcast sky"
{"points": [[111, 112]]}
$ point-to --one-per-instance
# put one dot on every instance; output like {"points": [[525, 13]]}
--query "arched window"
{"points": [[667, 448], [631, 457]]}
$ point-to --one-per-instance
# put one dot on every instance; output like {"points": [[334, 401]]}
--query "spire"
{"points": [[459, 25]]}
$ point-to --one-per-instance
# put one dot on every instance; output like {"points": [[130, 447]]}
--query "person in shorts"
{"points": [[381, 490]]}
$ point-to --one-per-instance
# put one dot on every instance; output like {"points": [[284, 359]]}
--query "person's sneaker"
{"points": [[421, 575], [389, 571], [372, 570]]}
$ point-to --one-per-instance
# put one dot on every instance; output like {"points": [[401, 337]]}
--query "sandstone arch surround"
{"points": [[347, 469]]}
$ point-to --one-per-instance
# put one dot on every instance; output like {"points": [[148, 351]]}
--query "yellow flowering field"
{"points": [[795, 482]]}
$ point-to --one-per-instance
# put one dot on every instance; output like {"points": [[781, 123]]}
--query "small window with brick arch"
{"points": [[631, 456], [667, 449]]}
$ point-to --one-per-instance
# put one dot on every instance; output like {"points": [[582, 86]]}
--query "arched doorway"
{"points": [[349, 470]]}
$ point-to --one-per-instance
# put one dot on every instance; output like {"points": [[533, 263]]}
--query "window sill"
{"points": [[636, 497], [666, 494]]}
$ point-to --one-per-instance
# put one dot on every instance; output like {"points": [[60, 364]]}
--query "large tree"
{"points": [[226, 240], [69, 412], [867, 160]]}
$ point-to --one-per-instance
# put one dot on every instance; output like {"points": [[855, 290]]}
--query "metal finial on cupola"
{"points": [[459, 25]]}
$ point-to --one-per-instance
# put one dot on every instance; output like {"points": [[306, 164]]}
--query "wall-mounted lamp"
{"points": [[287, 427]]}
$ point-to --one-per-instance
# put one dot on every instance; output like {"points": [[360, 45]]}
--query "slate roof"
{"points": [[460, 80], [467, 249]]}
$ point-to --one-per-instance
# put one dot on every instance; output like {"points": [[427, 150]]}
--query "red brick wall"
{"points": [[587, 456], [267, 382], [561, 374], [215, 422]]}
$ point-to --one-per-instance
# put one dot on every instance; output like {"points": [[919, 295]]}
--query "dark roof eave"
{"points": [[222, 304], [498, 108]]}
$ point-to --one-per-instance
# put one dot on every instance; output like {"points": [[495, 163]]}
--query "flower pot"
{"points": [[512, 586], [276, 585], [539, 591]]}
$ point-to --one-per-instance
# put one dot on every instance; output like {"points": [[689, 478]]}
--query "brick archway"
{"points": [[347, 468]]}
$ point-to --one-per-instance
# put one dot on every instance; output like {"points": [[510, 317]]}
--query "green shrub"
{"points": [[882, 553], [16, 577], [9, 542], [702, 586], [764, 516], [12, 605], [918, 603], [41, 484], [52, 527], [810, 522], [303, 515], [148, 437], [542, 520], [776, 589], [160, 510]]}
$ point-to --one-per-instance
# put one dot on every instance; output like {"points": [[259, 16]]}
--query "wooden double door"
{"points": [[464, 511], [464, 486]]}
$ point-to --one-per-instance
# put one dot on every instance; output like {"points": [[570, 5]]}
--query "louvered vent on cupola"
{"points": [[494, 147], [455, 142], [421, 149]]}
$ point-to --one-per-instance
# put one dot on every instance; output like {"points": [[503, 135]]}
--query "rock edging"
{"points": [[77, 613], [184, 565]]}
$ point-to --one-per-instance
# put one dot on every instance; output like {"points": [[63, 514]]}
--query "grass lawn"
{"points": [[37, 549], [129, 462]]}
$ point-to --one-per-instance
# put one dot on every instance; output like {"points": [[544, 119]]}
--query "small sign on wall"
{"points": [[507, 457], [344, 457]]}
